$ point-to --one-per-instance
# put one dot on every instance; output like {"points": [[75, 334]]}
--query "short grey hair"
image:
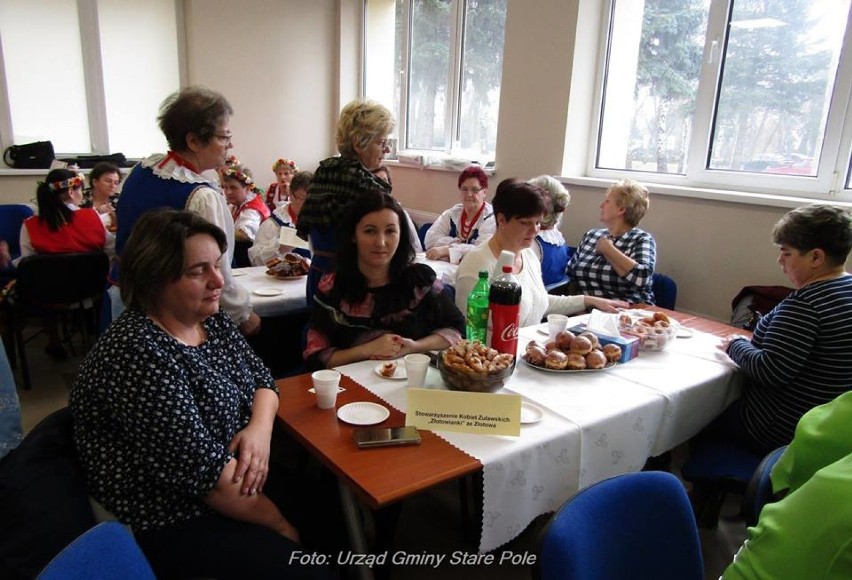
{"points": [[559, 200]]}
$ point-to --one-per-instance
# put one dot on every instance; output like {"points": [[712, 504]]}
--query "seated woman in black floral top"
{"points": [[173, 414], [378, 304]]}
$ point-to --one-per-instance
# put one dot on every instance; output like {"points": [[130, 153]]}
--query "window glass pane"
{"points": [[482, 69], [651, 84], [135, 87], [44, 73], [428, 74], [779, 69], [381, 59]]}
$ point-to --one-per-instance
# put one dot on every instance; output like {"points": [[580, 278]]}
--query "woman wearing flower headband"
{"points": [[245, 201], [62, 227], [279, 191]]}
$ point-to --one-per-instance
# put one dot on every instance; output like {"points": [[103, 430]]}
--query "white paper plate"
{"points": [[362, 413], [267, 291], [237, 273], [530, 414], [313, 390], [398, 374]]}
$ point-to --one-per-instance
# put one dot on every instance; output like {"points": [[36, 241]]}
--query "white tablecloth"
{"points": [[596, 424], [290, 292]]}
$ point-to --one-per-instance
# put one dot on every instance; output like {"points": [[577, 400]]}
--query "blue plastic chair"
{"points": [[421, 233], [107, 552], [665, 291], [716, 469], [12, 217], [637, 525], [759, 490]]}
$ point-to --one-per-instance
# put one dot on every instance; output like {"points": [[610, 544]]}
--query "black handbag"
{"points": [[38, 155], [89, 161]]}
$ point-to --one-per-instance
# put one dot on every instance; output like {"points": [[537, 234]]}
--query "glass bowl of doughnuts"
{"points": [[474, 367], [654, 331]]}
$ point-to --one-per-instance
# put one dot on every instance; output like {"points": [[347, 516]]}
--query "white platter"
{"points": [[267, 291], [530, 414], [362, 413], [398, 374]]}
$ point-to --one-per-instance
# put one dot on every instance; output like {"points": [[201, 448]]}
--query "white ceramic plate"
{"points": [[362, 413], [530, 414], [267, 291], [398, 374]]}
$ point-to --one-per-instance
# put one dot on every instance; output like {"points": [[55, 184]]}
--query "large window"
{"points": [[437, 64], [736, 93], [87, 75]]}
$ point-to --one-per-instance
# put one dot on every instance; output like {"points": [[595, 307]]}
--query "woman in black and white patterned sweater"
{"points": [[173, 414]]}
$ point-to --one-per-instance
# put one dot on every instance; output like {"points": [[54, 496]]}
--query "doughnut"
{"points": [[556, 359], [581, 345], [612, 352], [563, 340], [596, 360], [291, 258], [593, 338], [641, 330], [661, 324], [659, 316], [575, 362], [535, 356], [551, 345], [388, 369], [533, 344], [659, 331]]}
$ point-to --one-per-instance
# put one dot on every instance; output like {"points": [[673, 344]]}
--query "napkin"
{"points": [[603, 323], [288, 237]]}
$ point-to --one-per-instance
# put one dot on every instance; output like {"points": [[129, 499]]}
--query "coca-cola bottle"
{"points": [[504, 309]]}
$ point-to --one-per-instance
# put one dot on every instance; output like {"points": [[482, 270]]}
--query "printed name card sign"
{"points": [[483, 413], [288, 237]]}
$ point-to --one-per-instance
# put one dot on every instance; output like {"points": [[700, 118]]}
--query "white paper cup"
{"points": [[556, 323], [416, 366], [325, 385], [455, 255]]}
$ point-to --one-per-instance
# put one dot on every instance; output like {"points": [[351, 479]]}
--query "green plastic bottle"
{"points": [[476, 321]]}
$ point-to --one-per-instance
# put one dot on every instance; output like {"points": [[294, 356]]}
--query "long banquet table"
{"points": [[271, 296], [595, 425]]}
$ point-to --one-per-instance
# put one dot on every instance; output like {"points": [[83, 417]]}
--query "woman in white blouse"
{"points": [[518, 210]]}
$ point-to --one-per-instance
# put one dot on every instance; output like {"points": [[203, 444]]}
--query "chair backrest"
{"points": [[61, 278], [637, 525], [421, 233], [12, 217], [665, 291], [759, 490], [107, 552]]}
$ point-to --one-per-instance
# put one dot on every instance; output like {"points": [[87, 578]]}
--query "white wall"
{"points": [[287, 66]]}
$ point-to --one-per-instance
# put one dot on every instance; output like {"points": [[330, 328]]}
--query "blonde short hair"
{"points": [[633, 197], [559, 199], [360, 122]]}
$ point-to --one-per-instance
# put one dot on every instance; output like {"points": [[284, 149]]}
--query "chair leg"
{"points": [[22, 353]]}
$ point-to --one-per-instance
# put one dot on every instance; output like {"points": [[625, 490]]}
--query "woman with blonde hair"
{"points": [[549, 244], [618, 261], [363, 130]]}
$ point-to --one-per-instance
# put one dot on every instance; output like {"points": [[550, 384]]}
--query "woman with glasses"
{"points": [[362, 136], [378, 303], [519, 208], [466, 224], [196, 124]]}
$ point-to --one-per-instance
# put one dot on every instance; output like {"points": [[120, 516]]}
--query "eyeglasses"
{"points": [[473, 190], [226, 139]]}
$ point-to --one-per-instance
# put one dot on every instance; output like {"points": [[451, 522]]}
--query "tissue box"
{"points": [[629, 345]]}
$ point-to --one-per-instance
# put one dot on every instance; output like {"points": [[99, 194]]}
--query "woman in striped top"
{"points": [[801, 353]]}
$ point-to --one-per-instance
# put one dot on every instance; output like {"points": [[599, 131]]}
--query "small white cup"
{"points": [[556, 323], [416, 366], [325, 386], [455, 255]]}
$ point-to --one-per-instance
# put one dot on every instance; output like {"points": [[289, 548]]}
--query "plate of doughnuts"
{"points": [[288, 266], [572, 353]]}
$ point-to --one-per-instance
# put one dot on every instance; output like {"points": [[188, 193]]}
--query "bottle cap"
{"points": [[506, 257], [483, 274], [507, 269]]}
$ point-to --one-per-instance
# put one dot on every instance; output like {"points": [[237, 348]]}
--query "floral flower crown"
{"points": [[246, 180], [288, 163], [231, 161], [70, 183]]}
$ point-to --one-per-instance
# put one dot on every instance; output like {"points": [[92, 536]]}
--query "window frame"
{"points": [[833, 168], [453, 105], [88, 21]]}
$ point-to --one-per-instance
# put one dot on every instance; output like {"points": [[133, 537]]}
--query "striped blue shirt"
{"points": [[799, 357]]}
